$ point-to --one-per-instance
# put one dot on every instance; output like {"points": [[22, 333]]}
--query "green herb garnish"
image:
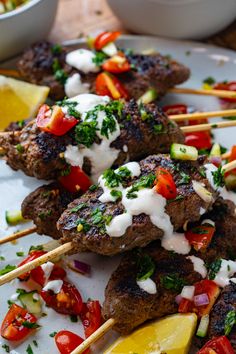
{"points": [[6, 347], [44, 215], [58, 72], [218, 177], [2, 258], [230, 321], [52, 335], [145, 265], [79, 207], [85, 133], [35, 343], [86, 226], [214, 268], [56, 49], [36, 248], [209, 81], [20, 254], [143, 182], [93, 188], [114, 178], [185, 179], [116, 194], [172, 282], [29, 350], [7, 269], [74, 318], [99, 58], [20, 148], [30, 325]]}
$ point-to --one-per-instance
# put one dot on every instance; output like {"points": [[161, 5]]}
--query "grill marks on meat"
{"points": [[161, 73], [142, 231], [45, 205], [129, 305], [41, 155]]}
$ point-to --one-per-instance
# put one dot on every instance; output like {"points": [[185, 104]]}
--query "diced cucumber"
{"points": [[148, 97], [13, 217], [110, 49], [215, 150], [183, 152], [31, 301], [203, 326]]}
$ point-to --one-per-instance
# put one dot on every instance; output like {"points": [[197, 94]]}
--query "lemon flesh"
{"points": [[19, 100], [170, 335]]}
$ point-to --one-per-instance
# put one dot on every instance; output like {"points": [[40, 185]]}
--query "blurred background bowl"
{"points": [[25, 25], [184, 19]]}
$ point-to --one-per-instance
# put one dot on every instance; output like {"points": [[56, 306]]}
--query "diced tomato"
{"points": [[91, 317], [218, 345], [165, 184], [76, 180], [200, 237], [104, 38], [68, 301], [32, 255], [201, 140], [54, 120], [117, 64], [108, 85], [13, 328], [228, 86], [38, 275], [67, 341], [175, 109], [202, 287]]}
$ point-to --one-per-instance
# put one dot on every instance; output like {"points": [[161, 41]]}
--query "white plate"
{"points": [[204, 61]]}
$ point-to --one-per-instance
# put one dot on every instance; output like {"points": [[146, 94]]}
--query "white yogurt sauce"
{"points": [[176, 242], [82, 59], [202, 211], [227, 270], [198, 265], [47, 269], [14, 297], [74, 86], [148, 285], [119, 225], [54, 285]]}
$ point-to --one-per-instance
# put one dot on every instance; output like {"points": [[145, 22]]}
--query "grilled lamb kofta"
{"points": [[128, 132], [48, 64]]}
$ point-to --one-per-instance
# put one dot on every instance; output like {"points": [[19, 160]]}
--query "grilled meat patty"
{"points": [[143, 231], [40, 153], [131, 306], [45, 205], [37, 63]]}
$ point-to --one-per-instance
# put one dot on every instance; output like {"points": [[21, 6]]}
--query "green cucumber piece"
{"points": [[13, 217], [31, 302], [215, 150], [203, 326], [183, 152], [148, 97]]}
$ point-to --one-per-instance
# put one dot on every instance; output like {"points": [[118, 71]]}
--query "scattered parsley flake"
{"points": [[214, 268], [52, 335], [30, 325], [20, 254], [7, 269], [209, 81], [2, 258], [6, 347], [20, 148], [86, 226], [78, 207], [56, 49], [172, 282], [93, 188], [143, 182], [59, 73], [35, 343], [230, 321], [36, 248], [218, 177], [74, 318], [29, 350], [145, 265], [99, 58], [116, 194]]}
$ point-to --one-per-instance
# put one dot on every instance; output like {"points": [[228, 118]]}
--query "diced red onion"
{"points": [[81, 267], [201, 300], [188, 292], [178, 299], [215, 160]]}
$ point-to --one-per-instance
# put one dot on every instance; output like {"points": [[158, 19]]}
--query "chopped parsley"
{"points": [[52, 335], [114, 178], [99, 58], [185, 179], [96, 216], [20, 148], [214, 268], [71, 107], [202, 172], [7, 269], [209, 81], [2, 258], [116, 194], [56, 49], [36, 248], [158, 128], [85, 133], [21, 291], [74, 318], [145, 265], [20, 254], [79, 207], [93, 188], [58, 72], [172, 282], [66, 171], [218, 177], [145, 114], [86, 226], [35, 343], [230, 321], [44, 215], [6, 347], [143, 182], [30, 325], [29, 350]]}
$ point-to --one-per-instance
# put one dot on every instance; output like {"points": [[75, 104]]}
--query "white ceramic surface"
{"points": [[204, 61], [192, 19], [25, 25]]}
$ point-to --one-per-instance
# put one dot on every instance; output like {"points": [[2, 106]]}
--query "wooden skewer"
{"points": [[226, 155], [203, 115], [9, 72], [35, 263], [100, 332], [208, 126], [216, 93], [17, 235], [229, 166]]}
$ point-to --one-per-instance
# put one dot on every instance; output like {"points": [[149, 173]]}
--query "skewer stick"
{"points": [[226, 155], [17, 235], [203, 115], [9, 72], [208, 126], [101, 331], [35, 263], [229, 166], [216, 93]]}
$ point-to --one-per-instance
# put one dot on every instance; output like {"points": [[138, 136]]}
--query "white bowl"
{"points": [[193, 19], [24, 25]]}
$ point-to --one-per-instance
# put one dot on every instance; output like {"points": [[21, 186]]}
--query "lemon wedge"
{"points": [[19, 100], [170, 335]]}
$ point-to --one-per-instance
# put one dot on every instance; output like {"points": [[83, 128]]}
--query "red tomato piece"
{"points": [[67, 341], [117, 64], [218, 345], [76, 180], [54, 120], [13, 328], [165, 184], [37, 274], [108, 85], [104, 38], [91, 317], [201, 140], [32, 255], [228, 86], [185, 306], [68, 301], [200, 237], [175, 109]]}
